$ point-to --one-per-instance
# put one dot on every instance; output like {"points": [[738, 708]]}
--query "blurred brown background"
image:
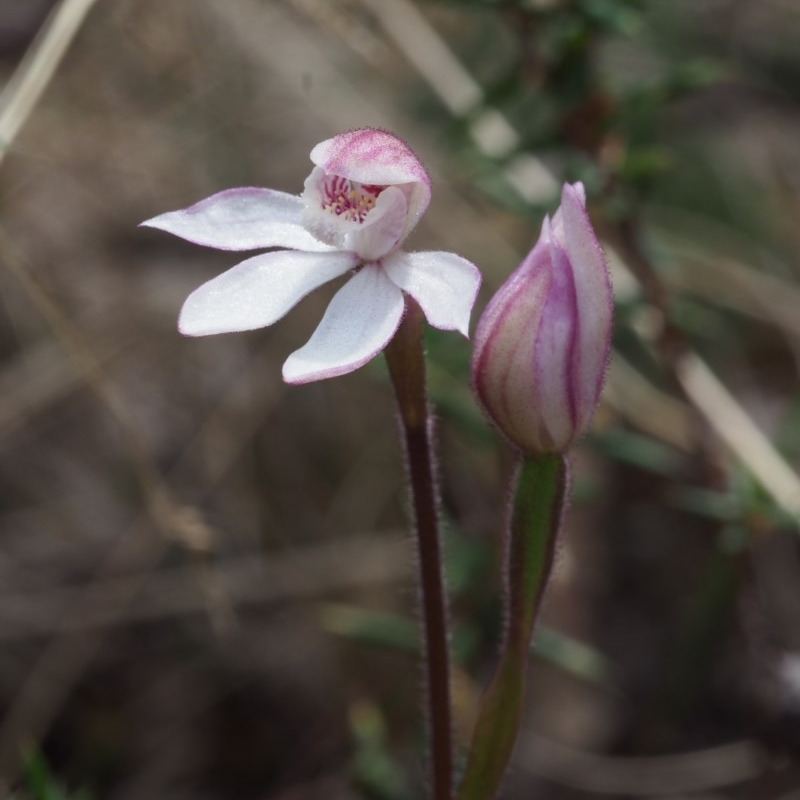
{"points": [[206, 586]]}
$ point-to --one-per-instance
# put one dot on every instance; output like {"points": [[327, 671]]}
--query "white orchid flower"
{"points": [[365, 195]]}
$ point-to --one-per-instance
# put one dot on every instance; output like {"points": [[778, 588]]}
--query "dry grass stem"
{"points": [[26, 86]]}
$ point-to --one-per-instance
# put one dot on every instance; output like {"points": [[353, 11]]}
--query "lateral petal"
{"points": [[554, 360], [504, 350], [594, 299], [259, 291], [359, 322], [444, 284], [248, 218]]}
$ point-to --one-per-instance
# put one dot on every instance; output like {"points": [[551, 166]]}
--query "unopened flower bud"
{"points": [[541, 345]]}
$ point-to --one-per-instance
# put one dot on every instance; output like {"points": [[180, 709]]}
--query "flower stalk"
{"points": [[539, 499], [538, 363], [406, 361]]}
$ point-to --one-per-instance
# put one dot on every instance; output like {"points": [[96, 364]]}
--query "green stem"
{"points": [[538, 506], [406, 360]]}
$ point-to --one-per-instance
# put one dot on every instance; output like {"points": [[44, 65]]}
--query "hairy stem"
{"points": [[538, 505], [406, 361]]}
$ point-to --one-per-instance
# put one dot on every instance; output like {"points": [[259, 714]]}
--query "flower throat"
{"points": [[349, 199]]}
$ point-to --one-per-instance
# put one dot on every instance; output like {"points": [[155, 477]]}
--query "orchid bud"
{"points": [[541, 345]]}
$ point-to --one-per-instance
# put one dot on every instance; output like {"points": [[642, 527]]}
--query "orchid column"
{"points": [[364, 196], [541, 349]]}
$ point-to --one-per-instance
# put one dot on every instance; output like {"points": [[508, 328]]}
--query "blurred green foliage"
{"points": [[38, 783], [658, 108]]}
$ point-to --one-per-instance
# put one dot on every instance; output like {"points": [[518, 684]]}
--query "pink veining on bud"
{"points": [[366, 193], [542, 344]]}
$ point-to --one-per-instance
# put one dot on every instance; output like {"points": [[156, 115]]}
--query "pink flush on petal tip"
{"points": [[364, 196], [542, 344]]}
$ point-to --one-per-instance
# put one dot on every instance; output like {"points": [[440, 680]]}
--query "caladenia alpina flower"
{"points": [[541, 345], [364, 196]]}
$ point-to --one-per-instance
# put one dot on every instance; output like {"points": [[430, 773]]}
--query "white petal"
{"points": [[242, 219], [359, 322], [259, 291], [323, 223], [444, 284]]}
